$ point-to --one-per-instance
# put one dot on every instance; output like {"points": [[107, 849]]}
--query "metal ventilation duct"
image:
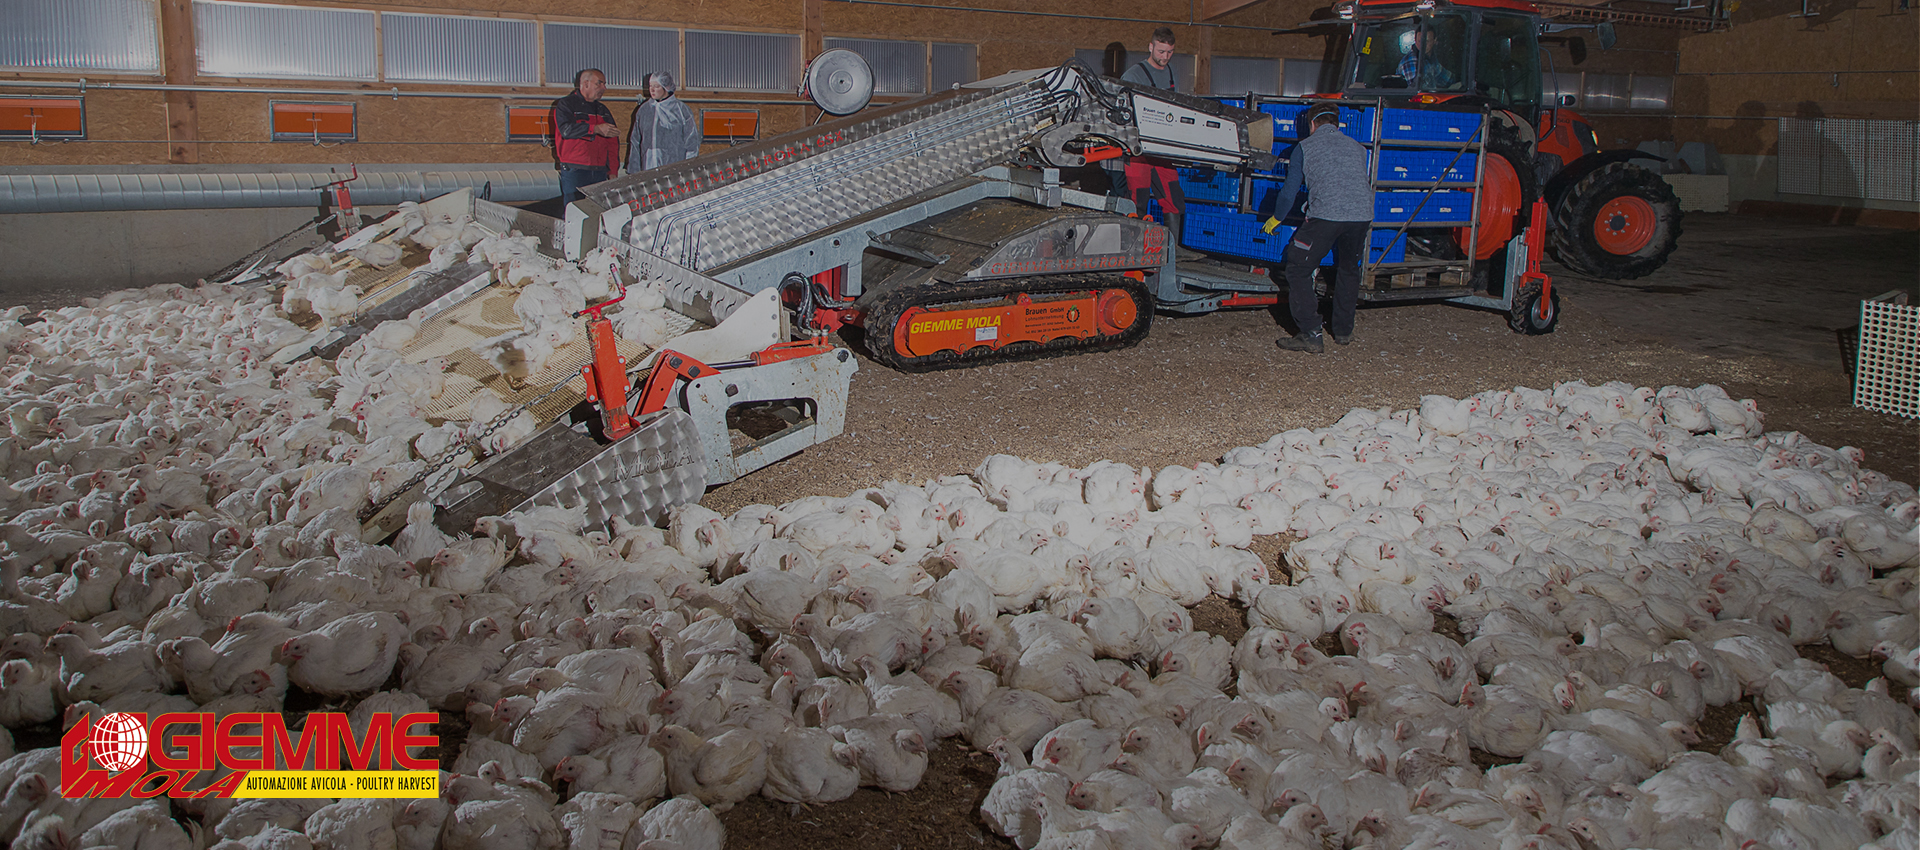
{"points": [[108, 191]]}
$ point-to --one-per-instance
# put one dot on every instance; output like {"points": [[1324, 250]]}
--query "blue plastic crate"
{"points": [[1237, 102], [1425, 165], [1383, 246], [1355, 122], [1286, 118], [1443, 206], [1388, 246], [1206, 184], [1222, 231], [1428, 125], [1219, 230]]}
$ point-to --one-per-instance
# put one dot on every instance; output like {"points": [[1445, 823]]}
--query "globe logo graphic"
{"points": [[119, 741]]}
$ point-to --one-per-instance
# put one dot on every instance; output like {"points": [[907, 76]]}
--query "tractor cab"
{"points": [[1439, 51]]}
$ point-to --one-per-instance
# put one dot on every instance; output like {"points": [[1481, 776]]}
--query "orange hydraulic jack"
{"points": [[606, 374], [343, 202], [1536, 244]]}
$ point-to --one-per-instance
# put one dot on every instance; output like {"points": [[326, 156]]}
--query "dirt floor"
{"points": [[1756, 306], [1751, 304]]}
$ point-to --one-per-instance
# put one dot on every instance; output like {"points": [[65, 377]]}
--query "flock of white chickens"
{"points": [[547, 293], [183, 537]]}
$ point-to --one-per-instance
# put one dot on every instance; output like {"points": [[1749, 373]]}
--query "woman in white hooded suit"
{"points": [[664, 130]]}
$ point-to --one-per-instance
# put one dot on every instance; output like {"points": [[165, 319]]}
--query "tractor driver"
{"points": [[1420, 66]]}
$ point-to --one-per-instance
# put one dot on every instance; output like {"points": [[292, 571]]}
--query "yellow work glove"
{"points": [[1271, 224]]}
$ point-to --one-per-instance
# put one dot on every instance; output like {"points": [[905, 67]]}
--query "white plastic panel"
{"points": [[1850, 158], [954, 64], [743, 61], [1893, 147], [626, 54], [1800, 156], [1237, 75], [97, 35], [1304, 77], [250, 40], [449, 49], [1887, 370], [1843, 158], [899, 67]]}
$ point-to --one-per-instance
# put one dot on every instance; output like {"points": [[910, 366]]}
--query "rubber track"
{"points": [[887, 308]]}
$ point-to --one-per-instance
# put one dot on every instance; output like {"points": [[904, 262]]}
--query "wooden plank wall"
{"points": [[1852, 59]]}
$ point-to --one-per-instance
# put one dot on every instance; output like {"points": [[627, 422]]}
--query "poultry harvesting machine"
{"points": [[940, 226]]}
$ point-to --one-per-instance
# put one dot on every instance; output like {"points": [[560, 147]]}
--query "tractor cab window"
{"points": [[1419, 53], [1506, 64]]}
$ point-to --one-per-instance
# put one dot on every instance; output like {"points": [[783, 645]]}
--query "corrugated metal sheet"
{"points": [[742, 61], [1565, 82], [252, 40], [102, 35], [954, 64], [1304, 77], [38, 193], [1650, 92], [625, 54], [899, 67], [450, 49], [1606, 91], [1239, 75]]}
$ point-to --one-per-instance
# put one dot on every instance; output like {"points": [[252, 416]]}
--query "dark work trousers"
{"points": [[1348, 241], [573, 178]]}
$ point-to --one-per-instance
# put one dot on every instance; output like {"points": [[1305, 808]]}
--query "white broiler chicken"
{"points": [[680, 823], [808, 766], [718, 772], [351, 655]]}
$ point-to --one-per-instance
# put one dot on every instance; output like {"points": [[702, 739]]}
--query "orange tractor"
{"points": [[1612, 216]]}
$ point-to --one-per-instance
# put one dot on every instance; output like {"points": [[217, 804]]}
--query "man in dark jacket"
{"points": [[1333, 168], [585, 139]]}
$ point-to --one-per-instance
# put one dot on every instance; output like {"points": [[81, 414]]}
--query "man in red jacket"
{"points": [[585, 139]]}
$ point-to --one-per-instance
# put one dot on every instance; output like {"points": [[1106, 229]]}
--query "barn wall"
{"points": [[1725, 83], [1854, 59]]}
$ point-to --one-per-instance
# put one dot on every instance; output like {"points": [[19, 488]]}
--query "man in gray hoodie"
{"points": [[1333, 168]]}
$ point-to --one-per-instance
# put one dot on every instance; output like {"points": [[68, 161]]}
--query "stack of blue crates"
{"points": [[1415, 145], [1221, 230]]}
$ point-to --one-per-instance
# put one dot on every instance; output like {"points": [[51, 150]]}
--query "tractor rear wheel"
{"points": [[1618, 223]]}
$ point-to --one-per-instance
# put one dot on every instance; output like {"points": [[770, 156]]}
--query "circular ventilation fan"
{"points": [[839, 81]]}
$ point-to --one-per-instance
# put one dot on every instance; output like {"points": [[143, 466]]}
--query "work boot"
{"points": [[1342, 339], [1309, 343]]}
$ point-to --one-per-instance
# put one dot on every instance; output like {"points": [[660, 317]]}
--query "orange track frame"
{"points": [[922, 331]]}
